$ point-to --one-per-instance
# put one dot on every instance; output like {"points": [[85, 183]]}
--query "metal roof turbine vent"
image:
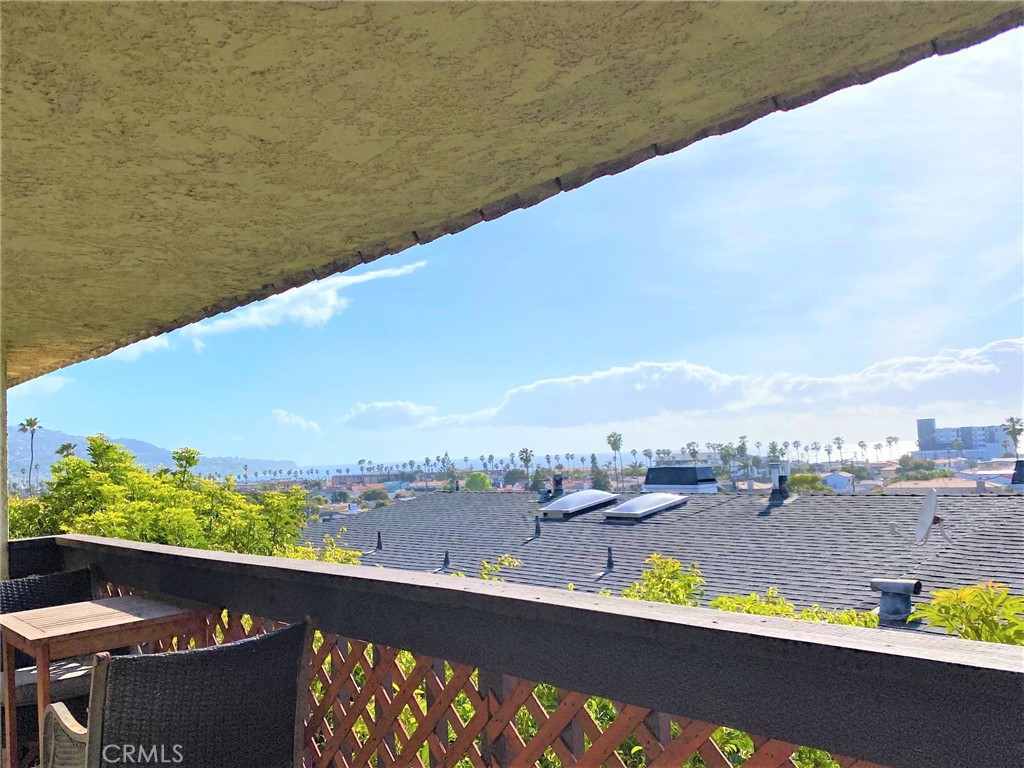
{"points": [[894, 604], [576, 503], [642, 507]]}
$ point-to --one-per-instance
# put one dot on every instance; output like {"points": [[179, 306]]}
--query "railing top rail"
{"points": [[900, 698], [576, 609]]}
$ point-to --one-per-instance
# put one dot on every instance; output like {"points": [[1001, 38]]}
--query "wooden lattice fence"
{"points": [[371, 706]]}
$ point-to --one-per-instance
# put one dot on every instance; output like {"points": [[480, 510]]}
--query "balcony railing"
{"points": [[431, 671]]}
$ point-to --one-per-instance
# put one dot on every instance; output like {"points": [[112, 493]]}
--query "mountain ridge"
{"points": [[47, 441]]}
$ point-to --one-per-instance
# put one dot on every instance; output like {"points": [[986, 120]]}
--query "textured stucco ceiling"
{"points": [[162, 162]]}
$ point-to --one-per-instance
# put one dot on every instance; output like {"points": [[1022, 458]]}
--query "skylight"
{"points": [[575, 503], [643, 506]]}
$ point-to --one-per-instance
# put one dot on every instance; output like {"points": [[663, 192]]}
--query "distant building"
{"points": [[838, 481], [980, 443]]}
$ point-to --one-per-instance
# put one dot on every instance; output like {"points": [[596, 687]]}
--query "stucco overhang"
{"points": [[163, 162]]}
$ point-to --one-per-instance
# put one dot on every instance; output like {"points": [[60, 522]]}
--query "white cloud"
{"points": [[676, 396], [133, 352], [44, 385], [289, 419], [387, 415], [309, 305]]}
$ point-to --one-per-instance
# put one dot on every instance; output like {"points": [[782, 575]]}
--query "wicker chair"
{"points": [[69, 679], [230, 706]]}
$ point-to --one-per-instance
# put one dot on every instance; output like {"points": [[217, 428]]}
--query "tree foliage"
{"points": [[513, 476], [980, 612], [108, 494], [665, 580], [478, 481], [805, 483], [599, 479]]}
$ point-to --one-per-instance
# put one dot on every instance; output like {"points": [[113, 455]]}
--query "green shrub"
{"points": [[478, 481], [985, 612]]}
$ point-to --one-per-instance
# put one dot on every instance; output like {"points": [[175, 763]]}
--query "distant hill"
{"points": [[147, 454]]}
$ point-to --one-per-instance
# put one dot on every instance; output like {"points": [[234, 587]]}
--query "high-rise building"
{"points": [[975, 442]]}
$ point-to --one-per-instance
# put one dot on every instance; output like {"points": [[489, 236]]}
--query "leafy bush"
{"points": [[807, 483], [859, 471], [478, 481], [666, 581], [773, 604], [108, 494], [981, 612], [513, 476], [923, 474], [375, 494], [910, 464]]}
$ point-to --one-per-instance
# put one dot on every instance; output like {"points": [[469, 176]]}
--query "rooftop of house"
{"points": [[940, 483], [821, 549]]}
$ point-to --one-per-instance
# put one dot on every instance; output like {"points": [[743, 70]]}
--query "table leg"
{"points": [[10, 707], [42, 688]]}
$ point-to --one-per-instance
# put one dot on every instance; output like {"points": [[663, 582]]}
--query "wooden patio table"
{"points": [[77, 629]]}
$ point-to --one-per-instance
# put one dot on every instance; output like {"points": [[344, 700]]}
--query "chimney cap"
{"points": [[897, 586]]}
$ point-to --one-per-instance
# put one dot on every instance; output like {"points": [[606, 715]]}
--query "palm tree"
{"points": [[796, 449], [547, 458], [785, 448], [66, 449], [758, 446], [864, 449], [815, 446], [877, 448], [828, 452], [693, 448], [839, 443], [1014, 428], [896, 444], [615, 443], [742, 455], [30, 425], [648, 454], [888, 442], [526, 457]]}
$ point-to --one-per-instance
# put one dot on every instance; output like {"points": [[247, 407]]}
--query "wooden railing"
{"points": [[433, 672]]}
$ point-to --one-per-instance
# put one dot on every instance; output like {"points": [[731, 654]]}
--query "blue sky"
{"points": [[841, 269]]}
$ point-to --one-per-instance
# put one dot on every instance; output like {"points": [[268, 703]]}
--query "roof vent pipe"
{"points": [[447, 561], [774, 469], [783, 485], [1017, 481], [894, 603], [611, 563], [380, 541], [556, 486], [536, 526]]}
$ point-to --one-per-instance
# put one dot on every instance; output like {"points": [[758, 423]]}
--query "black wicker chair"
{"points": [[231, 706], [69, 679]]}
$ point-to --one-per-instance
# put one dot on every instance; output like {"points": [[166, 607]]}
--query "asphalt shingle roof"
{"points": [[816, 549]]}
